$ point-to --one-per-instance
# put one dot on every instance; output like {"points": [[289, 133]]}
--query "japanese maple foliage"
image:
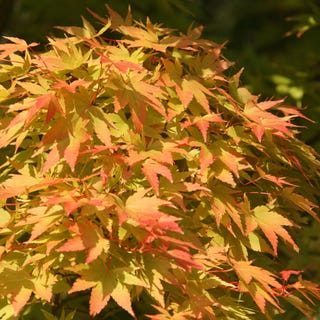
{"points": [[136, 171]]}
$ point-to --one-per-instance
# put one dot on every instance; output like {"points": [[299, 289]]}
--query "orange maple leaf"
{"points": [[151, 169], [89, 237]]}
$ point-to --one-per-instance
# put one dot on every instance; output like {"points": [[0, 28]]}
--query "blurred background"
{"points": [[277, 42]]}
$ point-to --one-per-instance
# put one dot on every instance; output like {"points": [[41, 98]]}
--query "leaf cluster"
{"points": [[135, 170]]}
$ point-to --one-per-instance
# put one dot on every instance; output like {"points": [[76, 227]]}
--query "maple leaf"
{"points": [[219, 171], [225, 203], [46, 101], [271, 223], [87, 125], [186, 88], [263, 120], [43, 218], [53, 158], [121, 296], [206, 158], [280, 181], [116, 18], [203, 123], [17, 45], [77, 136], [104, 284], [151, 169], [285, 274], [143, 38], [139, 94], [15, 283], [17, 184], [145, 210], [184, 258], [228, 156], [20, 299], [96, 276], [259, 282], [89, 238]]}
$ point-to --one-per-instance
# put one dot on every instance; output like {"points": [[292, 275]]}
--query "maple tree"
{"points": [[136, 169]]}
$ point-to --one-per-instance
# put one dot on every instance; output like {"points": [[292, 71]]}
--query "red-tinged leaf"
{"points": [[139, 204], [20, 299], [151, 169], [57, 133], [73, 244], [95, 251], [81, 285], [219, 171], [70, 87], [53, 108], [280, 181], [289, 111], [184, 245], [225, 203], [184, 258], [258, 130], [121, 296], [42, 102], [206, 158], [135, 157], [98, 300], [71, 152], [203, 126], [167, 222], [193, 89], [191, 187], [89, 238], [271, 223], [228, 156], [17, 45], [266, 105], [145, 210], [247, 272], [263, 120], [285, 274], [148, 94], [17, 184], [123, 66], [185, 96], [203, 123], [76, 136], [53, 158]]}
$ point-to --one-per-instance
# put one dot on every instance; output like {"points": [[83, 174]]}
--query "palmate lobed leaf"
{"points": [[141, 168]]}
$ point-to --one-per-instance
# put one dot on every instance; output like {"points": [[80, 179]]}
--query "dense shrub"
{"points": [[139, 179]]}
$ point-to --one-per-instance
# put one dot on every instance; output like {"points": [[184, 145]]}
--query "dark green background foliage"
{"points": [[276, 64]]}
